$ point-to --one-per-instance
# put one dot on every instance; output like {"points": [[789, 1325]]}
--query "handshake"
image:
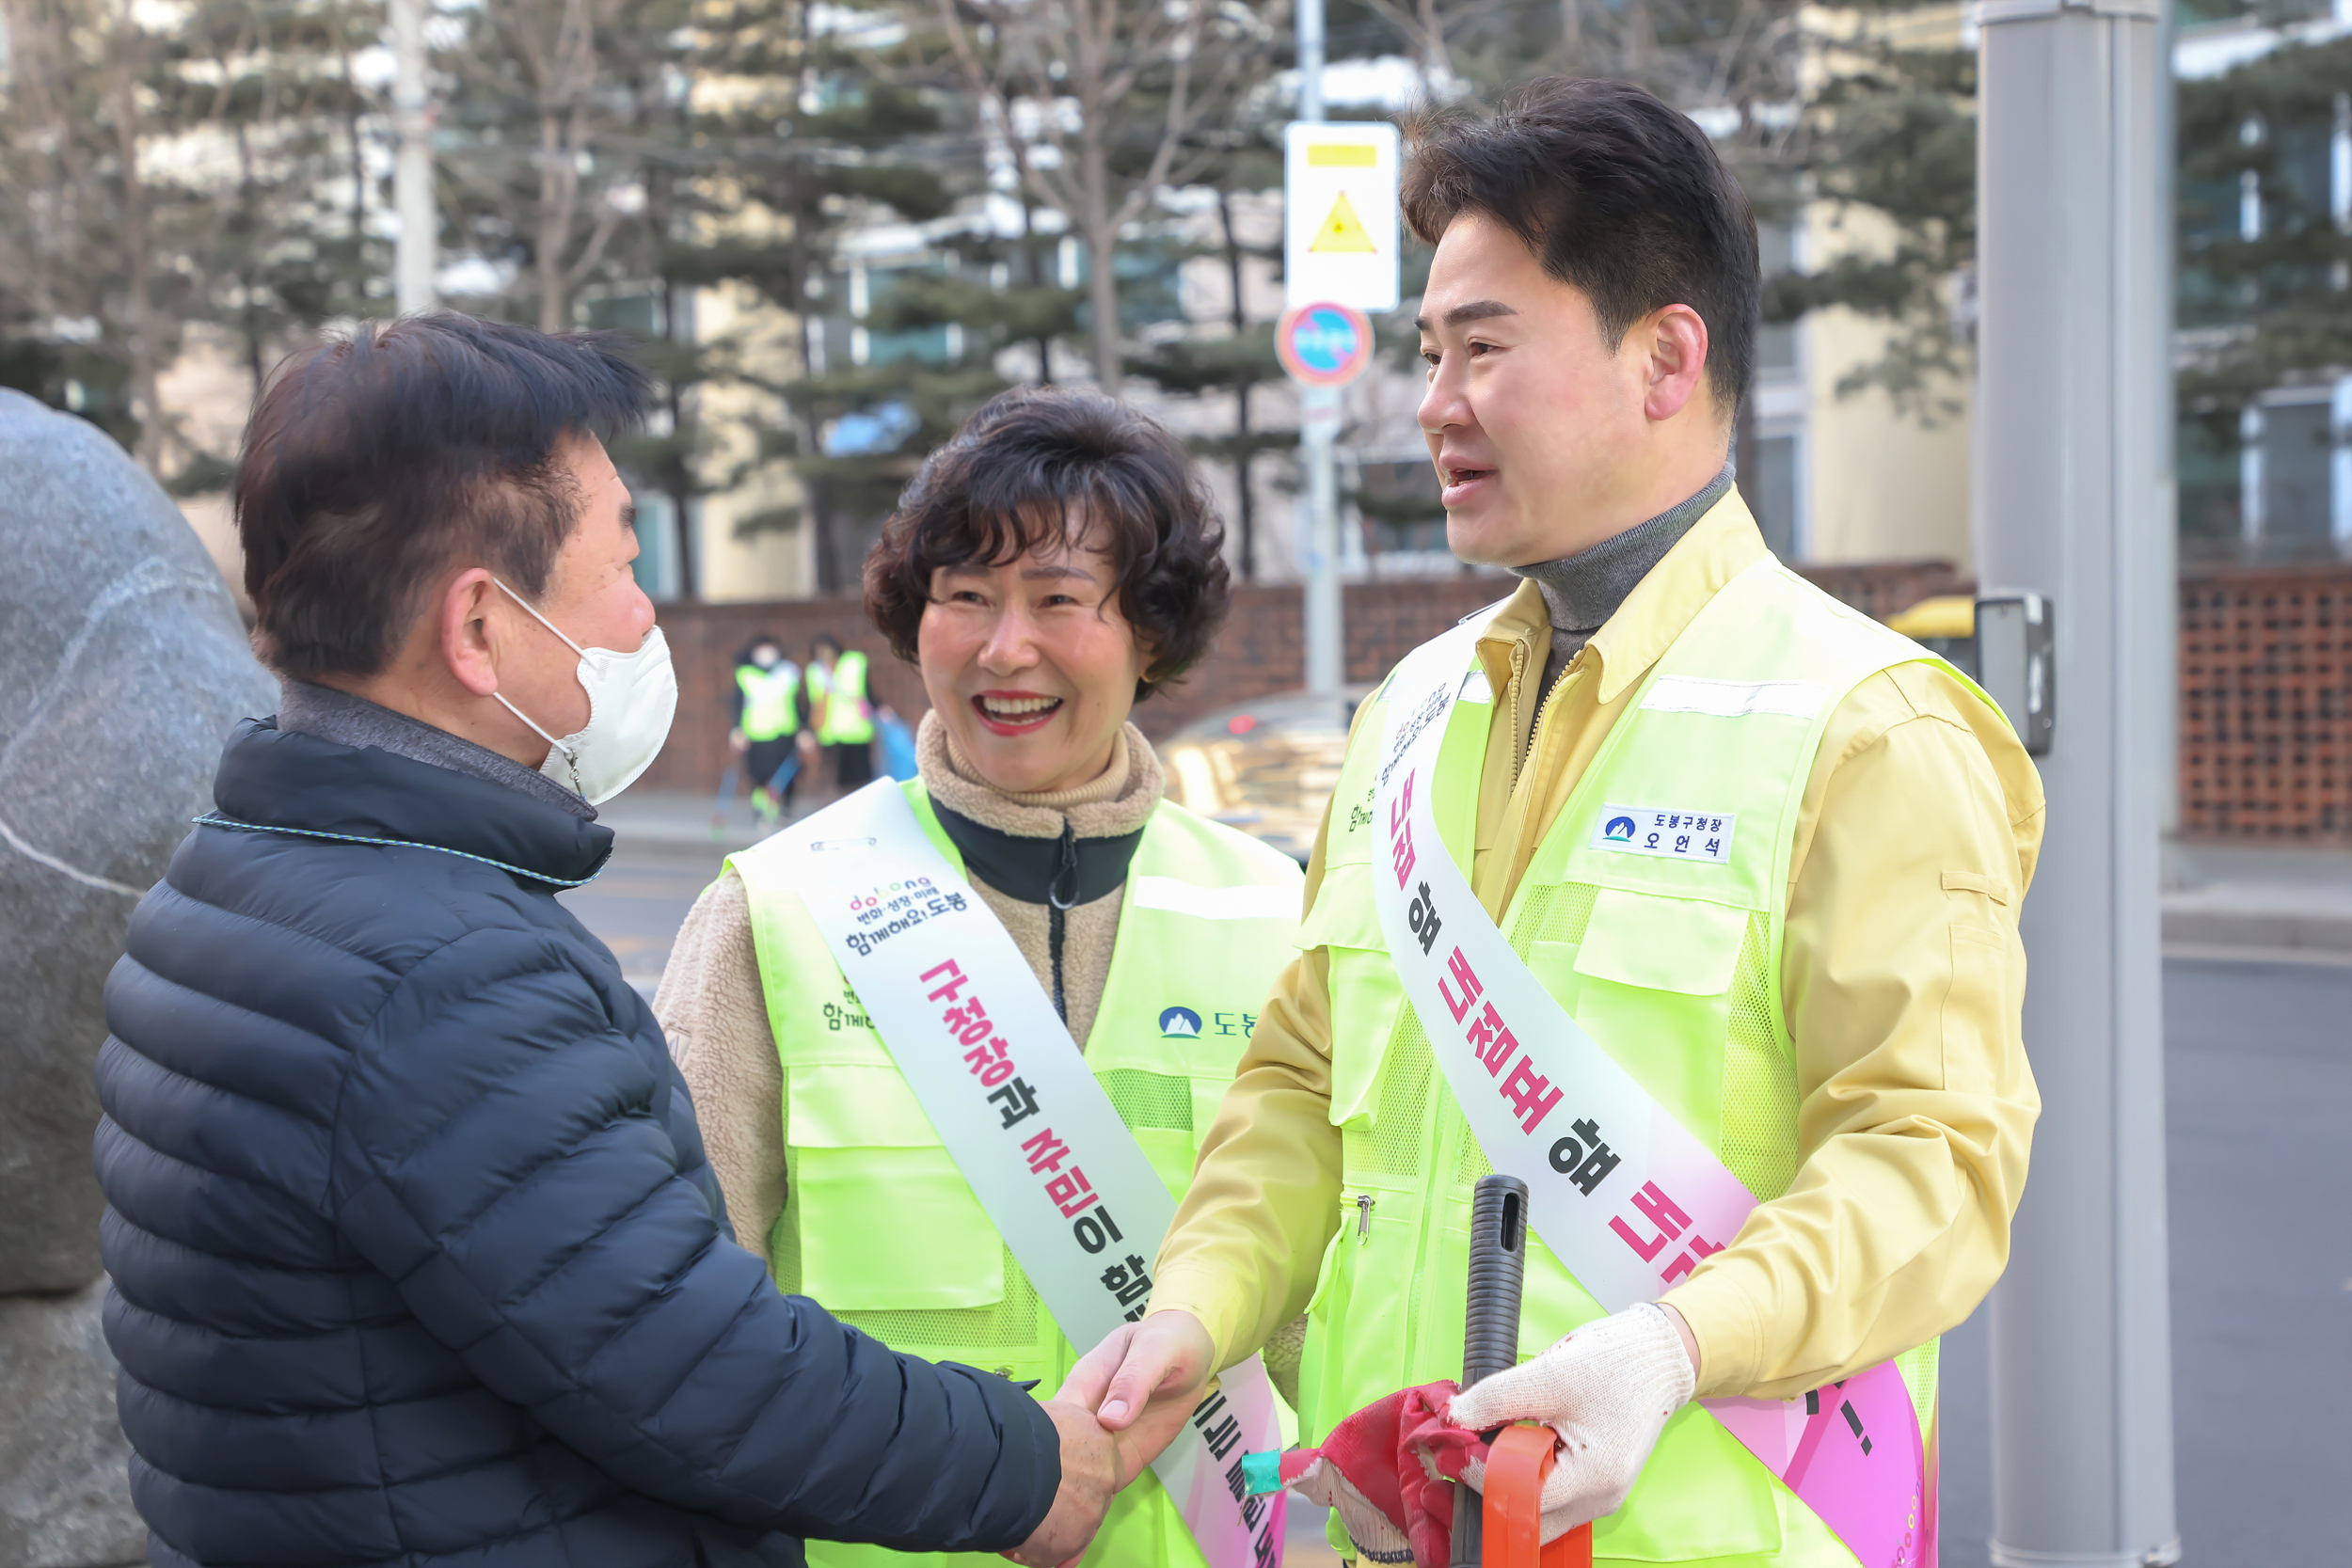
{"points": [[1124, 1401], [1606, 1391]]}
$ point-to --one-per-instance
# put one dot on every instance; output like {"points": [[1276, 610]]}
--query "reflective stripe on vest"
{"points": [[847, 721], [881, 1228], [771, 706], [1666, 954]]}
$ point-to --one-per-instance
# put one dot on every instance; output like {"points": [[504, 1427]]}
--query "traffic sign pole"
{"points": [[1318, 422], [1339, 256], [1323, 346]]}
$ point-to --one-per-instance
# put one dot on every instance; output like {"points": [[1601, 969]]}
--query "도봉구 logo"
{"points": [[1619, 828], [1180, 1023]]}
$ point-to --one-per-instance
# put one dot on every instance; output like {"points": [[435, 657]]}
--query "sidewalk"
{"points": [[680, 820], [2259, 903]]}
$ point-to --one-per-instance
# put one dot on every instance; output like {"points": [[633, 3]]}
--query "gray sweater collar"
{"points": [[1583, 590], [355, 721]]}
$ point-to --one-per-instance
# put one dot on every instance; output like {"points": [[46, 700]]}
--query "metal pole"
{"points": [[414, 259], [2072, 469], [1318, 427], [1318, 423], [1310, 19]]}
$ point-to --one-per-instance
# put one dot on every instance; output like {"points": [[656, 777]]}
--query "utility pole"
{"points": [[2071, 493], [415, 258], [1318, 429]]}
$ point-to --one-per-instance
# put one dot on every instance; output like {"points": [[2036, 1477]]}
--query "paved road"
{"points": [[2259, 1085], [2258, 1061]]}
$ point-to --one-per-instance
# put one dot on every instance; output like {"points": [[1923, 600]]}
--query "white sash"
{"points": [[1624, 1195], [1619, 1189], [1027, 1125]]}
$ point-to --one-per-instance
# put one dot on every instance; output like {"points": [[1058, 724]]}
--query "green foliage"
{"points": [[162, 171], [203, 475], [1888, 136], [2275, 309], [1895, 140]]}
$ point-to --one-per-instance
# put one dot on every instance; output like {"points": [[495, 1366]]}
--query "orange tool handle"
{"points": [[1516, 1467]]}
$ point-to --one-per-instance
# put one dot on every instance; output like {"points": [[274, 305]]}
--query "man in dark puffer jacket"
{"points": [[416, 1257]]}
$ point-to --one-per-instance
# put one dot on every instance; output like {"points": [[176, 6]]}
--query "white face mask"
{"points": [[631, 699]]}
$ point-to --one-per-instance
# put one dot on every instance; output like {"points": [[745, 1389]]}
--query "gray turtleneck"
{"points": [[349, 721], [1581, 590]]}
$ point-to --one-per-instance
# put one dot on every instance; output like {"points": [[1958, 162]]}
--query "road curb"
{"points": [[2324, 936]]}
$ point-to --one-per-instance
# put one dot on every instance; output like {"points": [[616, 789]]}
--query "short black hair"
{"points": [[825, 640], [1618, 194], [1027, 465], [380, 459]]}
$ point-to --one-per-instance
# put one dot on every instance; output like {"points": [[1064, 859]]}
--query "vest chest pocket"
{"points": [[1654, 989], [886, 1221], [1365, 996]]}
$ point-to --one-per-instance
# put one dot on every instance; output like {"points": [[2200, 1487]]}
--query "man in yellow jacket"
{"points": [[1819, 991]]}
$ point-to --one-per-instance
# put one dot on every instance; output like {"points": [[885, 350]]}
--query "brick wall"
{"points": [[2265, 675], [705, 639], [2267, 703], [1261, 649], [1882, 588]]}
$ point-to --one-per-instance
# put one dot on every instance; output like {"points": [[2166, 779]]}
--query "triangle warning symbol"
{"points": [[1342, 230]]}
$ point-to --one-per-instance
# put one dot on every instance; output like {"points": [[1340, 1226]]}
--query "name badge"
{"points": [[1670, 833]]}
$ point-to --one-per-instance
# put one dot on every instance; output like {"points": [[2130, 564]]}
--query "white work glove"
{"points": [[1606, 1390], [1376, 1539]]}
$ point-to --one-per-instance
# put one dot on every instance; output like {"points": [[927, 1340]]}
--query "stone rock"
{"points": [[123, 668], [65, 1490]]}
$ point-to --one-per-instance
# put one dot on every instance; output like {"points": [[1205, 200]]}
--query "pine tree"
{"points": [[2276, 305], [1240, 159], [864, 136], [1097, 103], [156, 175], [1893, 133]]}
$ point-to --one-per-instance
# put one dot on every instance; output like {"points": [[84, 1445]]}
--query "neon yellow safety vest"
{"points": [[846, 722], [879, 1225], [1672, 966], [770, 700]]}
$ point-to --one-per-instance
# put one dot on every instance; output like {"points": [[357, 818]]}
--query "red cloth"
{"points": [[1387, 1451]]}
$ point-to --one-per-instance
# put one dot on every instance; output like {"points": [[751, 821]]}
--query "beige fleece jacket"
{"points": [[710, 1006], [710, 1002]]}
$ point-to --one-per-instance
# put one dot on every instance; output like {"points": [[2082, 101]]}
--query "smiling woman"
{"points": [[1047, 569]]}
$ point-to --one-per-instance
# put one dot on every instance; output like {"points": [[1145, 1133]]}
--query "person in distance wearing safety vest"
{"points": [[842, 711], [767, 704], [1669, 885], [1030, 889]]}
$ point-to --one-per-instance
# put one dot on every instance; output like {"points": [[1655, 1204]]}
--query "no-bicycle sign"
{"points": [[1324, 344]]}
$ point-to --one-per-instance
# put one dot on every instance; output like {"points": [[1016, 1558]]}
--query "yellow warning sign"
{"points": [[1342, 230]]}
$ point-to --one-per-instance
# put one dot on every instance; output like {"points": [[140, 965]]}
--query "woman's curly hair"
{"points": [[1040, 465]]}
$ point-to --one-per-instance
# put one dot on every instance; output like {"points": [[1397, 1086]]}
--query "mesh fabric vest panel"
{"points": [[1672, 967], [879, 1225]]}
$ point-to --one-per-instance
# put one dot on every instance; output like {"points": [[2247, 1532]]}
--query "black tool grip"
{"points": [[1490, 1321]]}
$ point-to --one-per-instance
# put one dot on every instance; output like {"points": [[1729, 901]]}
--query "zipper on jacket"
{"points": [[1519, 736], [1364, 1202], [1058, 903], [1523, 741]]}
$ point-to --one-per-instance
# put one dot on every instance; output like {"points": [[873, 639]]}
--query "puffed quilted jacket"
{"points": [[416, 1257]]}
